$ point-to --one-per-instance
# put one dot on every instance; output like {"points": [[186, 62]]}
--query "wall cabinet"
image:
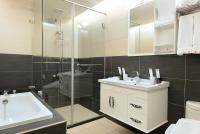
{"points": [[165, 27], [140, 109], [153, 28], [165, 9]]}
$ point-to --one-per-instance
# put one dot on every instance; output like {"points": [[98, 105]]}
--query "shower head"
{"points": [[54, 20], [51, 20]]}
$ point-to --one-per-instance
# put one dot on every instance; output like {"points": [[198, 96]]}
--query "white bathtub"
{"points": [[22, 108]]}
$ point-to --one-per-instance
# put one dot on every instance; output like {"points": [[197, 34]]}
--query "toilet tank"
{"points": [[193, 110]]}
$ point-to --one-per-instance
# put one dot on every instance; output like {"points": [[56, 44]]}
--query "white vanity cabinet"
{"points": [[145, 110]]}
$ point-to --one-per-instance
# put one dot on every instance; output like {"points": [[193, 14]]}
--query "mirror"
{"points": [[141, 29]]}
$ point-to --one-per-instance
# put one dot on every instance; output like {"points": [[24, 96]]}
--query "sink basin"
{"points": [[131, 81], [186, 126], [135, 83]]}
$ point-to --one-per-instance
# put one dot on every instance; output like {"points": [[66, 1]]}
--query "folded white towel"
{"points": [[196, 38], [185, 34]]}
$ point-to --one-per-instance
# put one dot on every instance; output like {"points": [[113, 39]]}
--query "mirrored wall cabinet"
{"points": [[152, 27]]}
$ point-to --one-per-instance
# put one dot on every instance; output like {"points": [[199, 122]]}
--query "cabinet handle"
{"points": [[113, 102], [136, 106], [135, 120], [110, 101]]}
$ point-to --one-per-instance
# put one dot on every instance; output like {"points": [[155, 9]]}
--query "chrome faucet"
{"points": [[5, 92], [137, 77], [14, 91], [137, 74]]}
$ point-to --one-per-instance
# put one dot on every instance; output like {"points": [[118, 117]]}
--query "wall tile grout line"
{"points": [[175, 104], [185, 84]]}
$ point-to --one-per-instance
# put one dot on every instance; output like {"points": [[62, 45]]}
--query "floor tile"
{"points": [[101, 126]]}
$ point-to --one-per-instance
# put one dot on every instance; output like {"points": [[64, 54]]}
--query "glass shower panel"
{"points": [[37, 45], [57, 44], [89, 63]]}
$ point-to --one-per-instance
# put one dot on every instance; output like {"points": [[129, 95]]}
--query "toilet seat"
{"points": [[184, 126]]}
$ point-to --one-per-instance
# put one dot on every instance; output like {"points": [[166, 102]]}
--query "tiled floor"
{"points": [[80, 113], [101, 126]]}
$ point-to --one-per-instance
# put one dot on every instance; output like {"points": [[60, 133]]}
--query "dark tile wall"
{"points": [[183, 73], [45, 70], [15, 72], [37, 71], [97, 70], [18, 72]]}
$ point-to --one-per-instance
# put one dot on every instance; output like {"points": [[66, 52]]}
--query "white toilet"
{"points": [[192, 110], [192, 113]]}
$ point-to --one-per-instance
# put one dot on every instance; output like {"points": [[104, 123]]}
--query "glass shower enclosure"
{"points": [[71, 59]]}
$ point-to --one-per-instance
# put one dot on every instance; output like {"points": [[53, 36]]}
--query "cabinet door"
{"points": [[164, 9], [119, 104], [113, 102], [106, 101]]}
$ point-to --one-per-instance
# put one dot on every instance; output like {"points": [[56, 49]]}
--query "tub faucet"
{"points": [[5, 92], [14, 91]]}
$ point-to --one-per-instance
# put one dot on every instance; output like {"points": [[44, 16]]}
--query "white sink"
{"points": [[141, 84], [186, 126], [131, 81]]}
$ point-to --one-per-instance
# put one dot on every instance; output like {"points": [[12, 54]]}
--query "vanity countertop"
{"points": [[146, 88]]}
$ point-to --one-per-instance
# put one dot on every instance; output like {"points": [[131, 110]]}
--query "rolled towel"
{"points": [[187, 5], [196, 38], [185, 34]]}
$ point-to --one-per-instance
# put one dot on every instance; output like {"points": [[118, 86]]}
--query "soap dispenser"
{"points": [[120, 73], [152, 78]]}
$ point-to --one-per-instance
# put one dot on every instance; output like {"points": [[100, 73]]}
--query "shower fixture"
{"points": [[51, 20], [60, 35], [103, 26]]}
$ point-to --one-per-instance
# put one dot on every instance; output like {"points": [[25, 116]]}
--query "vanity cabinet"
{"points": [[144, 110]]}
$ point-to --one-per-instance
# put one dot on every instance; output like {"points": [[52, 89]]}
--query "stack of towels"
{"points": [[189, 34], [186, 5]]}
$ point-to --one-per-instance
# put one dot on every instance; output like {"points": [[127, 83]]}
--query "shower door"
{"points": [[73, 59], [89, 66], [57, 56]]}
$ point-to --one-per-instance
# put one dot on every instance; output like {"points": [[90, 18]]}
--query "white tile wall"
{"points": [[116, 33], [16, 31]]}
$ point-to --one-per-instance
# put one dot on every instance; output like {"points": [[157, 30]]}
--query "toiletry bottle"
{"points": [[158, 78], [120, 73]]}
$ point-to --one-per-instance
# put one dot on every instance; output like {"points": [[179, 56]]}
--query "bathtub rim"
{"points": [[56, 120]]}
